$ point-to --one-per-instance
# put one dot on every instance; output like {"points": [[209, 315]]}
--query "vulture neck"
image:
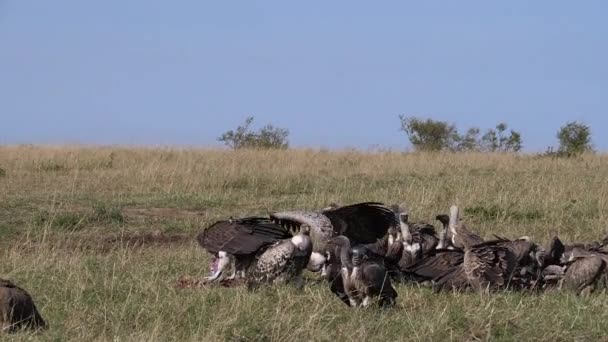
{"points": [[345, 255], [453, 222], [406, 235], [443, 235]]}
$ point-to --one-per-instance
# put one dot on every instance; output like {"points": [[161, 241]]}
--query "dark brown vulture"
{"points": [[332, 270], [17, 309], [282, 262], [362, 223], [485, 265], [364, 280], [237, 242], [438, 264]]}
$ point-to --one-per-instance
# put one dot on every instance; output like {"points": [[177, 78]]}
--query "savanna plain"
{"points": [[100, 237]]}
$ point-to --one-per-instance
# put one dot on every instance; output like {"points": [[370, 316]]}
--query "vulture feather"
{"points": [[362, 223], [238, 241], [17, 309], [584, 273], [282, 262], [241, 236]]}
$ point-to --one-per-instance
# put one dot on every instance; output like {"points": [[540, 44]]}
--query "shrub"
{"points": [[268, 137], [429, 135], [574, 138]]}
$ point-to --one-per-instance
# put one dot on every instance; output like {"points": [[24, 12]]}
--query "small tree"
{"points": [[574, 138], [495, 140], [268, 137], [469, 142], [429, 135]]}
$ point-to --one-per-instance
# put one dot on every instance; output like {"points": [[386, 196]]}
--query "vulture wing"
{"points": [[363, 222], [241, 236], [453, 278], [321, 230], [437, 265], [489, 264]]}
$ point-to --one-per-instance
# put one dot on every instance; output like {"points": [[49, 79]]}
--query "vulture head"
{"points": [[302, 239], [332, 206], [358, 255], [443, 234]]}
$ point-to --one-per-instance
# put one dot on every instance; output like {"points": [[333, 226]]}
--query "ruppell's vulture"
{"points": [[237, 242], [585, 271], [362, 223], [17, 309], [363, 279], [282, 262], [485, 265]]}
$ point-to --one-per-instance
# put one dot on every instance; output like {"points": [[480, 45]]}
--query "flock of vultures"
{"points": [[361, 250]]}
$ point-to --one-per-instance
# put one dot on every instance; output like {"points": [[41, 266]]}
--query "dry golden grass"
{"points": [[64, 209]]}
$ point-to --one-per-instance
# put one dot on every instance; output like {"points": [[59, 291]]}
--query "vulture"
{"points": [[237, 242], [362, 223], [485, 265], [585, 271], [332, 270], [282, 262], [461, 236], [364, 279], [17, 309], [437, 263]]}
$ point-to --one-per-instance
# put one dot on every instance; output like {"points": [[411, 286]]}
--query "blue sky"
{"points": [[336, 73]]}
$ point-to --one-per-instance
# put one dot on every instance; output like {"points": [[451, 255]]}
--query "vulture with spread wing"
{"points": [[17, 309], [362, 223], [237, 242]]}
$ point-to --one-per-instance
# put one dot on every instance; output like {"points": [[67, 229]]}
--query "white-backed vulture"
{"points": [[236, 242], [17, 309]]}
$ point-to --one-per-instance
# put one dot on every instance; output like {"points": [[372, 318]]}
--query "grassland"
{"points": [[99, 236]]}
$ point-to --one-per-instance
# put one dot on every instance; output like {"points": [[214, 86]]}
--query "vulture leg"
{"points": [[366, 301]]}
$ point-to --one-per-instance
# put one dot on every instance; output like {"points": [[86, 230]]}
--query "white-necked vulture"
{"points": [[17, 309]]}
